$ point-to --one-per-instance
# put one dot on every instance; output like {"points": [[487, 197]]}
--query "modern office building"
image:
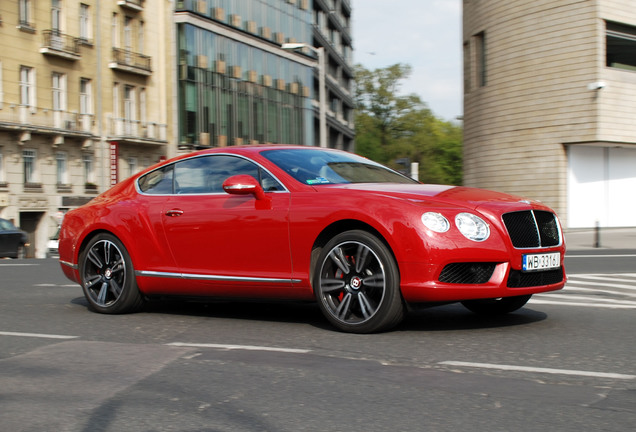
{"points": [[550, 103], [238, 86], [83, 103], [92, 91]]}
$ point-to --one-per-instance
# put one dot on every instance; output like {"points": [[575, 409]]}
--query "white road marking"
{"points": [[568, 303], [591, 298], [539, 370], [607, 283], [596, 291], [239, 347], [37, 335]]}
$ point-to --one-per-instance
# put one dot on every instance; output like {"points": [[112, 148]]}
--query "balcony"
{"points": [[132, 62], [23, 118], [60, 45], [133, 5], [138, 132]]}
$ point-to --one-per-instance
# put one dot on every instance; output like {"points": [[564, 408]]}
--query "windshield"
{"points": [[317, 167]]}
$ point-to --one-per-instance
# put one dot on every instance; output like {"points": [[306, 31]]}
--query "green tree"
{"points": [[390, 126]]}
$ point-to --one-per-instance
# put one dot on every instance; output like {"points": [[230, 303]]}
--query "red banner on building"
{"points": [[114, 157]]}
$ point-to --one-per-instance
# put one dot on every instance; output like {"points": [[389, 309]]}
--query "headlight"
{"points": [[435, 222], [472, 227]]}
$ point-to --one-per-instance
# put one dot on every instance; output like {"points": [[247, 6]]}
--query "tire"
{"points": [[20, 252], [357, 285], [108, 277], [496, 306]]}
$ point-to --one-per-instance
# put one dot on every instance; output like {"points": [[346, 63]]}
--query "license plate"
{"points": [[535, 262]]}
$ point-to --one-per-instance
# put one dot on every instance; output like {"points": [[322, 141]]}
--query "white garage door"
{"points": [[601, 187]]}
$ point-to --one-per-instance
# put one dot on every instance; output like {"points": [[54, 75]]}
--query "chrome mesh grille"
{"points": [[532, 228], [467, 273], [519, 279]]}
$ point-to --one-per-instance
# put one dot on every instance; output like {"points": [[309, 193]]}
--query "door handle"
{"points": [[174, 212]]}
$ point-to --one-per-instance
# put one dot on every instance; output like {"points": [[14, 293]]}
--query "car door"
{"points": [[231, 242], [9, 238], [5, 239]]}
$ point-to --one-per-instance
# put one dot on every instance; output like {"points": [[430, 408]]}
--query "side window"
{"points": [[206, 174], [158, 182], [193, 176], [201, 175]]}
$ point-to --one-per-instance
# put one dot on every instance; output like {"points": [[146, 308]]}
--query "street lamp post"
{"points": [[322, 97]]}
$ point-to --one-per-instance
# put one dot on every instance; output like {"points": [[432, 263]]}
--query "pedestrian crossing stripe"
{"points": [[613, 291]]}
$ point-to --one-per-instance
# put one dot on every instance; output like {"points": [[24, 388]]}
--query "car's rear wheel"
{"points": [[496, 306], [107, 276], [357, 283]]}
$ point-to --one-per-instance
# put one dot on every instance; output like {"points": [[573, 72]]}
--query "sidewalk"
{"points": [[608, 238]]}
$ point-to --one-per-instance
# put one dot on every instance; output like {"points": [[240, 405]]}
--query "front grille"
{"points": [[519, 279], [467, 273], [532, 228]]}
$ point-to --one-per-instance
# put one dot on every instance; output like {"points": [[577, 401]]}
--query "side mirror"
{"points": [[244, 184]]}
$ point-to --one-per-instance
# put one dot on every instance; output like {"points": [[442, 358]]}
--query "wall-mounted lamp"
{"points": [[597, 85]]}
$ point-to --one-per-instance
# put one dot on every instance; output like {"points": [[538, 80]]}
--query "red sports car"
{"points": [[292, 222]]}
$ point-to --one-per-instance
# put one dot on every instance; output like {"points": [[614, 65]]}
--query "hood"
{"points": [[472, 198]]}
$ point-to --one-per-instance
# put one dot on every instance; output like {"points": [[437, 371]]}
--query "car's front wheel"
{"points": [[357, 283], [496, 306], [107, 276]]}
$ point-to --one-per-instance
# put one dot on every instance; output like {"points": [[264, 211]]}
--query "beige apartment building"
{"points": [[550, 104], [85, 101]]}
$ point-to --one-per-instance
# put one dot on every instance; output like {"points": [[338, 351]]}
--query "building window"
{"points": [[114, 28], [58, 85], [132, 166], [29, 158], [140, 37], [62, 174], [27, 87], [56, 15], [620, 42], [467, 69], [480, 59], [86, 96], [128, 34], [116, 109], [129, 103], [26, 13], [1, 87], [89, 176], [85, 23], [142, 106], [2, 179]]}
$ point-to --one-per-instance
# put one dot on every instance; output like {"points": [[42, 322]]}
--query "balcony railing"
{"points": [[25, 117], [129, 61], [136, 130], [60, 44]]}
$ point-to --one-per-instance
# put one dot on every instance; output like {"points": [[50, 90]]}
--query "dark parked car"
{"points": [[13, 241]]}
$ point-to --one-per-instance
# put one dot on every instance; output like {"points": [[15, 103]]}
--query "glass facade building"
{"points": [[235, 84]]}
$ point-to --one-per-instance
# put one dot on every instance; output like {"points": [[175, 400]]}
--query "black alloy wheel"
{"points": [[107, 276], [357, 283]]}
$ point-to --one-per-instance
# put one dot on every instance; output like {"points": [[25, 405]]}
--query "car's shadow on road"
{"points": [[456, 317], [434, 319]]}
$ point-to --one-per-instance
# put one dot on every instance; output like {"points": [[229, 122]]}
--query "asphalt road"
{"points": [[563, 363]]}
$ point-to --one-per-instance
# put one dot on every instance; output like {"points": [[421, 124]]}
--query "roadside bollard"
{"points": [[597, 235]]}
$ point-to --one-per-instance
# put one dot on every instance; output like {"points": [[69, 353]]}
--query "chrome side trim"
{"points": [[212, 277], [68, 264]]}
